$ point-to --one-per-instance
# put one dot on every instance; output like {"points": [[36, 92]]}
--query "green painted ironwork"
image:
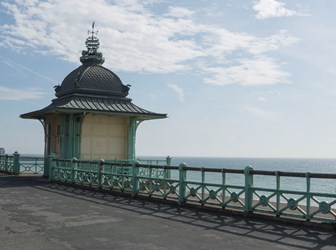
{"points": [[131, 138], [6, 164], [31, 165], [305, 204], [173, 184], [17, 164], [155, 172]]}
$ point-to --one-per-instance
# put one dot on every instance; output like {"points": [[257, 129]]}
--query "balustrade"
{"points": [[222, 188], [17, 164], [246, 190]]}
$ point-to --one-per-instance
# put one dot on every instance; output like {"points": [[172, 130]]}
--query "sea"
{"points": [[312, 165]]}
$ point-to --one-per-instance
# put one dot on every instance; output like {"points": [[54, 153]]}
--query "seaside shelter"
{"points": [[91, 117]]}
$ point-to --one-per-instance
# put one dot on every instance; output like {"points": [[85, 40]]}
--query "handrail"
{"points": [[294, 174]]}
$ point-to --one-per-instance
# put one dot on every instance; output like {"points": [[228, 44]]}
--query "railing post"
{"points": [[35, 164], [182, 185], [150, 175], [168, 163], [46, 167], [248, 191], [73, 169], [308, 197], [100, 170], [277, 176], [223, 186], [168, 160], [51, 164], [203, 186], [6, 163], [1, 162], [166, 175], [16, 163], [135, 180]]}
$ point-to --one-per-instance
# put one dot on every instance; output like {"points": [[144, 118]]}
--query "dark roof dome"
{"points": [[92, 78]]}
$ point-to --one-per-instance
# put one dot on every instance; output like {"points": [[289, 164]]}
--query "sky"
{"points": [[237, 78]]}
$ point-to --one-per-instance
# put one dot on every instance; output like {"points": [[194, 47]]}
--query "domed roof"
{"points": [[91, 78]]}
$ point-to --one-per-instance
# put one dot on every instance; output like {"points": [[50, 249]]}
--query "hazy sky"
{"points": [[236, 77]]}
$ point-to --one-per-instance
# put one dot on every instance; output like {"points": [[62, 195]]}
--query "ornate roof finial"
{"points": [[92, 45], [92, 31]]}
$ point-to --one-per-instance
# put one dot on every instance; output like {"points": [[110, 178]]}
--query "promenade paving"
{"points": [[36, 214]]}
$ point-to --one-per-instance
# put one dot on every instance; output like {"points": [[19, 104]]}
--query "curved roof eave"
{"points": [[41, 114]]}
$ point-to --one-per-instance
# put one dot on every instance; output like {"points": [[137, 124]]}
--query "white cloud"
{"points": [[262, 114], [178, 90], [248, 72], [19, 94], [273, 8], [134, 39], [179, 12], [137, 39]]}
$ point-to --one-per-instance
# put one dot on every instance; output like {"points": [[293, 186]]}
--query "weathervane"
{"points": [[92, 42], [92, 30], [91, 55]]}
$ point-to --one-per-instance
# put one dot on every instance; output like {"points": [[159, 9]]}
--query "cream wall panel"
{"points": [[117, 129], [116, 145], [86, 128], [86, 156], [99, 129], [99, 145], [86, 145], [100, 156], [104, 137]]}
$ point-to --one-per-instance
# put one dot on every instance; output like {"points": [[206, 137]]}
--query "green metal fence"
{"points": [[31, 165], [233, 189], [173, 184], [6, 164], [16, 164], [113, 175]]}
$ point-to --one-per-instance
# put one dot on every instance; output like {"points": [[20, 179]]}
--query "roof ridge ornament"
{"points": [[91, 55]]}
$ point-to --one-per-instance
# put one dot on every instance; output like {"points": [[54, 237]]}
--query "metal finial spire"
{"points": [[92, 32], [92, 42], [91, 55]]}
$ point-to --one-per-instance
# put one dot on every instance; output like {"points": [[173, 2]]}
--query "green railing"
{"points": [[31, 165], [228, 189], [104, 174], [16, 164], [304, 203], [156, 172], [6, 164]]}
